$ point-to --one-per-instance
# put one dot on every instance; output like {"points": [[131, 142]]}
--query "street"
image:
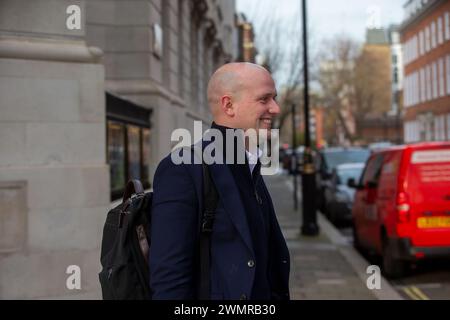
{"points": [[428, 280]]}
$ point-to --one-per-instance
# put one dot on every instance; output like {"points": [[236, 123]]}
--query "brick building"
{"points": [[383, 123], [426, 38], [246, 36]]}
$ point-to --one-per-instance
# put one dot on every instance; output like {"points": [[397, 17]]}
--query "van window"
{"points": [[391, 164], [373, 169], [389, 173]]}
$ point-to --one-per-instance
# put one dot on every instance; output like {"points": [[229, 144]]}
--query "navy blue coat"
{"points": [[177, 201]]}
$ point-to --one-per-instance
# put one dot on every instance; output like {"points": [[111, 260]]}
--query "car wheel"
{"points": [[392, 267]]}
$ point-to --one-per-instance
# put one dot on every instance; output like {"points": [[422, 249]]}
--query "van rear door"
{"points": [[428, 187]]}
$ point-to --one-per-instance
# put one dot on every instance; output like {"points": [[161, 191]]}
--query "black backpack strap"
{"points": [[133, 186], [210, 201]]}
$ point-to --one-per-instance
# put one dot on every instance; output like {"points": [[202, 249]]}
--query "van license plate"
{"points": [[433, 222]]}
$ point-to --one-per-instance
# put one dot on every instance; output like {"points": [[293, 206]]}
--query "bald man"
{"points": [[249, 259]]}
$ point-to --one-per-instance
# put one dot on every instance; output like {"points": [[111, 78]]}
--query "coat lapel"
{"points": [[229, 195], [231, 200]]}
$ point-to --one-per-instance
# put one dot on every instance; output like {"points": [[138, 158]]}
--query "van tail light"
{"points": [[403, 207]]}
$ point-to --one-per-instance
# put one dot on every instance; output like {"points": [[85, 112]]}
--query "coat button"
{"points": [[284, 261], [243, 296], [251, 263]]}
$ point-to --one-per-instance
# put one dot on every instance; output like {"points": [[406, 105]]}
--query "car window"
{"points": [[335, 158], [349, 173], [373, 169]]}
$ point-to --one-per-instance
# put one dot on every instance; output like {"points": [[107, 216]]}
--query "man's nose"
{"points": [[274, 108]]}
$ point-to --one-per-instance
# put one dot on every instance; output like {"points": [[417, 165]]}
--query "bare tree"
{"points": [[355, 83], [279, 49], [372, 82], [336, 77]]}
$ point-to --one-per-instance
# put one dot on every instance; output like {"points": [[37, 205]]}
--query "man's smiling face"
{"points": [[255, 105]]}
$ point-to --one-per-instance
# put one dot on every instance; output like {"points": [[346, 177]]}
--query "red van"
{"points": [[401, 208]]}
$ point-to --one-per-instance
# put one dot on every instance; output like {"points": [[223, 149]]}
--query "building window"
{"points": [[435, 81], [411, 90], [405, 53], [429, 129], [437, 127], [423, 97], [128, 155], [441, 78], [442, 118], [447, 26], [128, 144], [416, 46], [134, 152], [116, 155], [412, 132], [421, 43], [441, 128], [427, 38], [440, 31], [417, 88], [433, 35], [447, 64], [429, 88], [406, 91]]}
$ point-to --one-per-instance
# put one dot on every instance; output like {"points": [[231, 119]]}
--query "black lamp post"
{"points": [[309, 226]]}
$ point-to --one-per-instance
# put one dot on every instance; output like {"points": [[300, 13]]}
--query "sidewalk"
{"points": [[325, 266]]}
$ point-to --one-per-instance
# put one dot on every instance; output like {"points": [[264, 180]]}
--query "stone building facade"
{"points": [[78, 101], [159, 56]]}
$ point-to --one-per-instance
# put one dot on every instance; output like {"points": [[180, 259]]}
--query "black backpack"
{"points": [[125, 248]]}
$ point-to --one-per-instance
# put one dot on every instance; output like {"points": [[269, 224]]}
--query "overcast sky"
{"points": [[326, 19], [330, 17]]}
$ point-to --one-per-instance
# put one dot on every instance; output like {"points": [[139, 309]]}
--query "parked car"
{"points": [[327, 159], [338, 195], [402, 205]]}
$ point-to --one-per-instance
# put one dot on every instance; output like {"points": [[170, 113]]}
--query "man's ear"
{"points": [[227, 105]]}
